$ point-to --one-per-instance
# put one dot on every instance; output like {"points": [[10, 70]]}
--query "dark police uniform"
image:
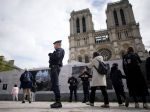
{"points": [[55, 63], [73, 87], [86, 85]]}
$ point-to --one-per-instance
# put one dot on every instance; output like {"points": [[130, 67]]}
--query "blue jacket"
{"points": [[24, 84]]}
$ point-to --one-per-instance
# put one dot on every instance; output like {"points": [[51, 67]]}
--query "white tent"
{"points": [[65, 73]]}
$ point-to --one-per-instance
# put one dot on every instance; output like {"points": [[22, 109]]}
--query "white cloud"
{"points": [[29, 27]]}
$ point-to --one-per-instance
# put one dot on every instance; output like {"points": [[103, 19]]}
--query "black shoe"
{"points": [[105, 106], [23, 101], [145, 106], [29, 101], [56, 105], [83, 101], [70, 100], [126, 103]]}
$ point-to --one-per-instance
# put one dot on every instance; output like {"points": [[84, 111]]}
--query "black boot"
{"points": [[76, 100], [127, 103], [56, 105], [70, 100], [84, 100]]}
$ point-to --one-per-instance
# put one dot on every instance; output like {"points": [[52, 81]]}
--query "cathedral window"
{"points": [[126, 34], [106, 53], [85, 41], [84, 24], [122, 17], [116, 18], [119, 36], [78, 42], [86, 59], [78, 25], [80, 59]]}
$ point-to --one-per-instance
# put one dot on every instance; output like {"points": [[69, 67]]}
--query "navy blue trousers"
{"points": [[55, 82]]}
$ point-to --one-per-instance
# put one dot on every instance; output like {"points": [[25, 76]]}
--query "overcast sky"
{"points": [[29, 27]]}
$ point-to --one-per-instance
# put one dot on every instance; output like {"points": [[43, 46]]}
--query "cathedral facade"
{"points": [[122, 32]]}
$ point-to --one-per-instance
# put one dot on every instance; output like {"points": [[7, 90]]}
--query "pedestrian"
{"points": [[33, 91], [14, 92], [116, 78], [98, 80], [85, 76], [136, 82], [148, 67], [26, 80], [55, 64], [73, 84]]}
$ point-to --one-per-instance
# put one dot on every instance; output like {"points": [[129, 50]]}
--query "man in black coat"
{"points": [[55, 64], [148, 67], [116, 78], [73, 87], [135, 80], [85, 76]]}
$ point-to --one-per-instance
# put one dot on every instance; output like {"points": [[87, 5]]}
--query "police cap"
{"points": [[58, 41]]}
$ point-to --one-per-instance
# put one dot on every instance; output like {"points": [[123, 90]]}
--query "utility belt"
{"points": [[73, 86], [54, 66]]}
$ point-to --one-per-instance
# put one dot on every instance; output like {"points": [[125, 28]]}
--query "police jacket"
{"points": [[73, 81], [56, 57]]}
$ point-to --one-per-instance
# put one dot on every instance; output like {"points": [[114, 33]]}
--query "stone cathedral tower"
{"points": [[122, 31]]}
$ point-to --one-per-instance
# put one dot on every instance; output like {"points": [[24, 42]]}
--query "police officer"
{"points": [[86, 84], [55, 63], [73, 87]]}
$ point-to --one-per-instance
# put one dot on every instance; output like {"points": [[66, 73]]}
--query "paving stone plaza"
{"points": [[67, 107]]}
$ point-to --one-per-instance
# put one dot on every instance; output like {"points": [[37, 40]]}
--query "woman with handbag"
{"points": [[98, 80]]}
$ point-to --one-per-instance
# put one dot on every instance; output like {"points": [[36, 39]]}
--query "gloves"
{"points": [[50, 54]]}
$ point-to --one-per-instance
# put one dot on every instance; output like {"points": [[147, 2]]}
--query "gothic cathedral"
{"points": [[122, 31]]}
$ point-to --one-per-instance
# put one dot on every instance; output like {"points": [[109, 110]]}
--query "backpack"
{"points": [[26, 78], [102, 68]]}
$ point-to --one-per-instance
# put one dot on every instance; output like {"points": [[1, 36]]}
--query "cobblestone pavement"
{"points": [[6, 106]]}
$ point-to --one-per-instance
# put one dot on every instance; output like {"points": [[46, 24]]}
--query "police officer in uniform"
{"points": [[55, 64], [85, 76], [73, 87]]}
